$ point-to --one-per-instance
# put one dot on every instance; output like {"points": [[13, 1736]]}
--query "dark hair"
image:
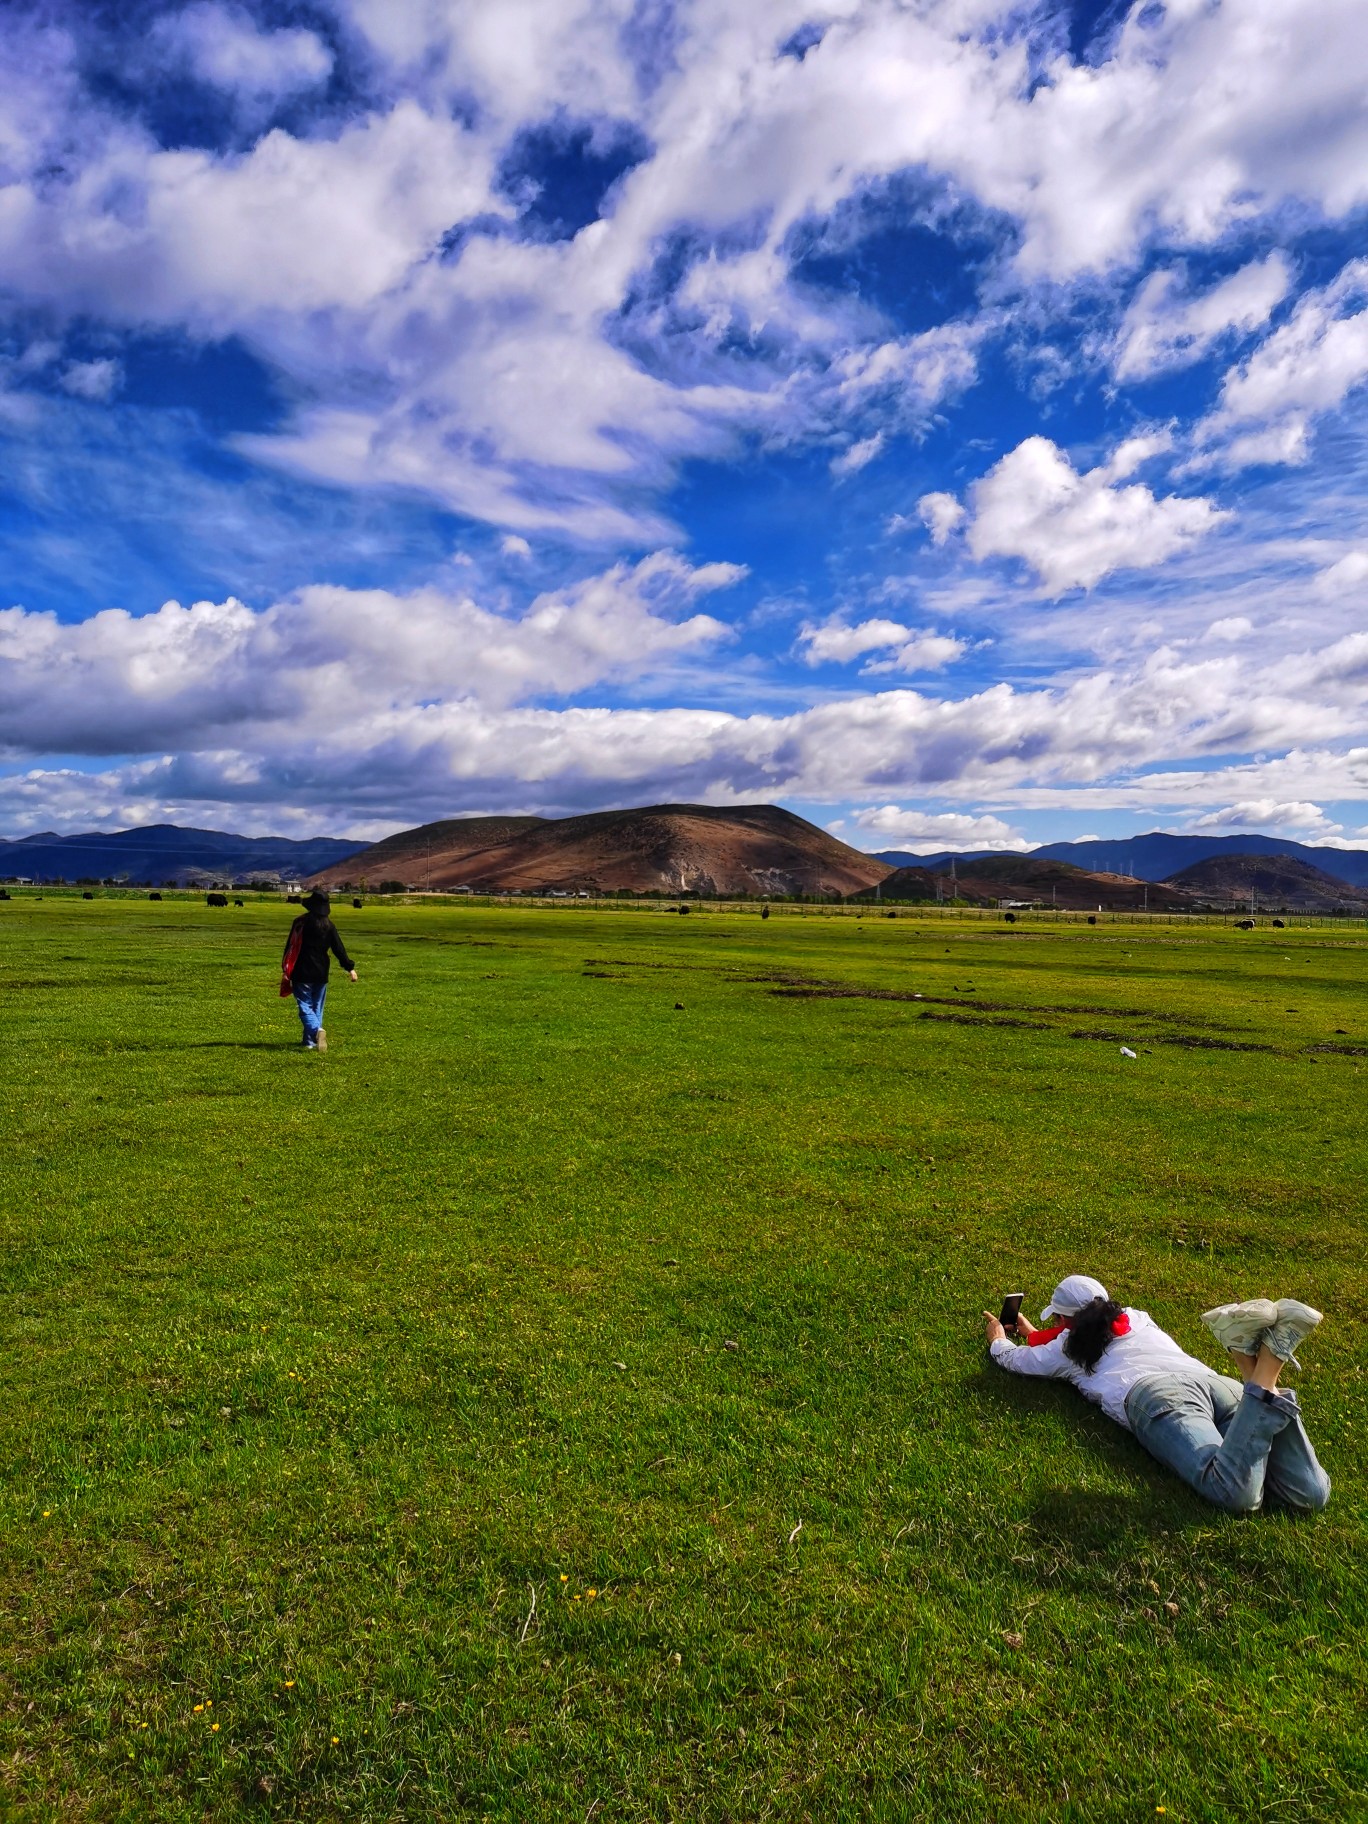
{"points": [[1090, 1332]]}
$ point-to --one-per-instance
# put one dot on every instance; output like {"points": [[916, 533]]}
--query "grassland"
{"points": [[557, 1403]]}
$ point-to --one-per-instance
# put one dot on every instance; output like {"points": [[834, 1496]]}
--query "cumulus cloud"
{"points": [[1302, 820], [362, 705], [1075, 529], [1166, 327], [1307, 367], [836, 641], [940, 514], [190, 676], [378, 264], [926, 832], [224, 47]]}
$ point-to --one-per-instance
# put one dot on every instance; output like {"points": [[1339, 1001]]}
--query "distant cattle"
{"points": [[1009, 918], [357, 904], [87, 896], [216, 899], [1278, 925], [764, 912], [154, 896], [1092, 918], [237, 902], [1244, 924]]}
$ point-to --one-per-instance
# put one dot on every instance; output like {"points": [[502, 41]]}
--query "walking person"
{"points": [[312, 943], [1238, 1443]]}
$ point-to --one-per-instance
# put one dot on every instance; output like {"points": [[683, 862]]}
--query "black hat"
{"points": [[318, 902]]}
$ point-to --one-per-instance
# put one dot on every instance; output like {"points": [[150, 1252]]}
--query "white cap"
{"points": [[1070, 1296]]}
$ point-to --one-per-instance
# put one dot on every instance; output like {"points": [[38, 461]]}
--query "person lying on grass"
{"points": [[1236, 1445]]}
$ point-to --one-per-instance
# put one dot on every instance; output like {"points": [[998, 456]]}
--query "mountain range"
{"points": [[1156, 856], [165, 852], [757, 849]]}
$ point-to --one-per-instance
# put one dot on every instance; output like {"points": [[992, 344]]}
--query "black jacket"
{"points": [[319, 937]]}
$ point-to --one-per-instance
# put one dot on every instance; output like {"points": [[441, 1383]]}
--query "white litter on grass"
{"points": [[1126, 1052]]}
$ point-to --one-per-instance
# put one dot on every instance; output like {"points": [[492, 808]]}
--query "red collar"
{"points": [[1120, 1327]]}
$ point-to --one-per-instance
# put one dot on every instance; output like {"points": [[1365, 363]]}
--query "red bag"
{"points": [[294, 943]]}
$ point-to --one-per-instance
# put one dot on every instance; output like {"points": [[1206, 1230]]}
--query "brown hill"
{"points": [[410, 854], [990, 878], [662, 848], [1274, 880]]}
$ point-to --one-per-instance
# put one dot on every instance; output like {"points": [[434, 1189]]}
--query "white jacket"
{"points": [[1145, 1350]]}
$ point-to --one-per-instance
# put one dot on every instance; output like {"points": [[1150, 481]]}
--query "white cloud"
{"points": [[1344, 575], [1230, 627], [1303, 820], [363, 704], [916, 649], [223, 47], [1165, 328], [94, 380], [1075, 529], [513, 546], [329, 656], [926, 832], [939, 513], [1307, 367], [858, 456], [556, 385]]}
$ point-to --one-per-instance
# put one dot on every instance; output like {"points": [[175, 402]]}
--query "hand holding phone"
{"points": [[1011, 1310]]}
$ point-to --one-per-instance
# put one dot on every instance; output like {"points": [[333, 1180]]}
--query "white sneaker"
{"points": [[1241, 1328], [322, 1040], [1295, 1323]]}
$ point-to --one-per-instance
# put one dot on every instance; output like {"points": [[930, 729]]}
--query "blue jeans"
{"points": [[1233, 1444], [310, 996]]}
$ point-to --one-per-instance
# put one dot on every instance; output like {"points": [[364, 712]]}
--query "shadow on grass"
{"points": [[1084, 1524]]}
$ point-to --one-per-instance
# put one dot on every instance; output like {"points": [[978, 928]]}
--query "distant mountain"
{"points": [[990, 878], [1274, 880], [1156, 856], [163, 852], [660, 848], [1159, 856]]}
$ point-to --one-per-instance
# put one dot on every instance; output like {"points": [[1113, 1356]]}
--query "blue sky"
{"points": [[944, 418]]}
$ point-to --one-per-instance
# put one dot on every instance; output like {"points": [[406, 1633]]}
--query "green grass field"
{"points": [[557, 1404]]}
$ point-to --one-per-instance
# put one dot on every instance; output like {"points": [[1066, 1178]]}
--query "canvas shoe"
{"points": [[1295, 1323], [323, 1045], [1241, 1328]]}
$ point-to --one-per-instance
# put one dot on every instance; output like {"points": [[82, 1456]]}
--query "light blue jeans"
{"points": [[1233, 1444], [310, 997]]}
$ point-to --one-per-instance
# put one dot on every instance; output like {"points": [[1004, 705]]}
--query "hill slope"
{"points": [[662, 848], [414, 856], [1278, 880], [167, 852]]}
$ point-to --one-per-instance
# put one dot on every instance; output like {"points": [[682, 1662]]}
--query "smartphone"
{"points": [[1011, 1309]]}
